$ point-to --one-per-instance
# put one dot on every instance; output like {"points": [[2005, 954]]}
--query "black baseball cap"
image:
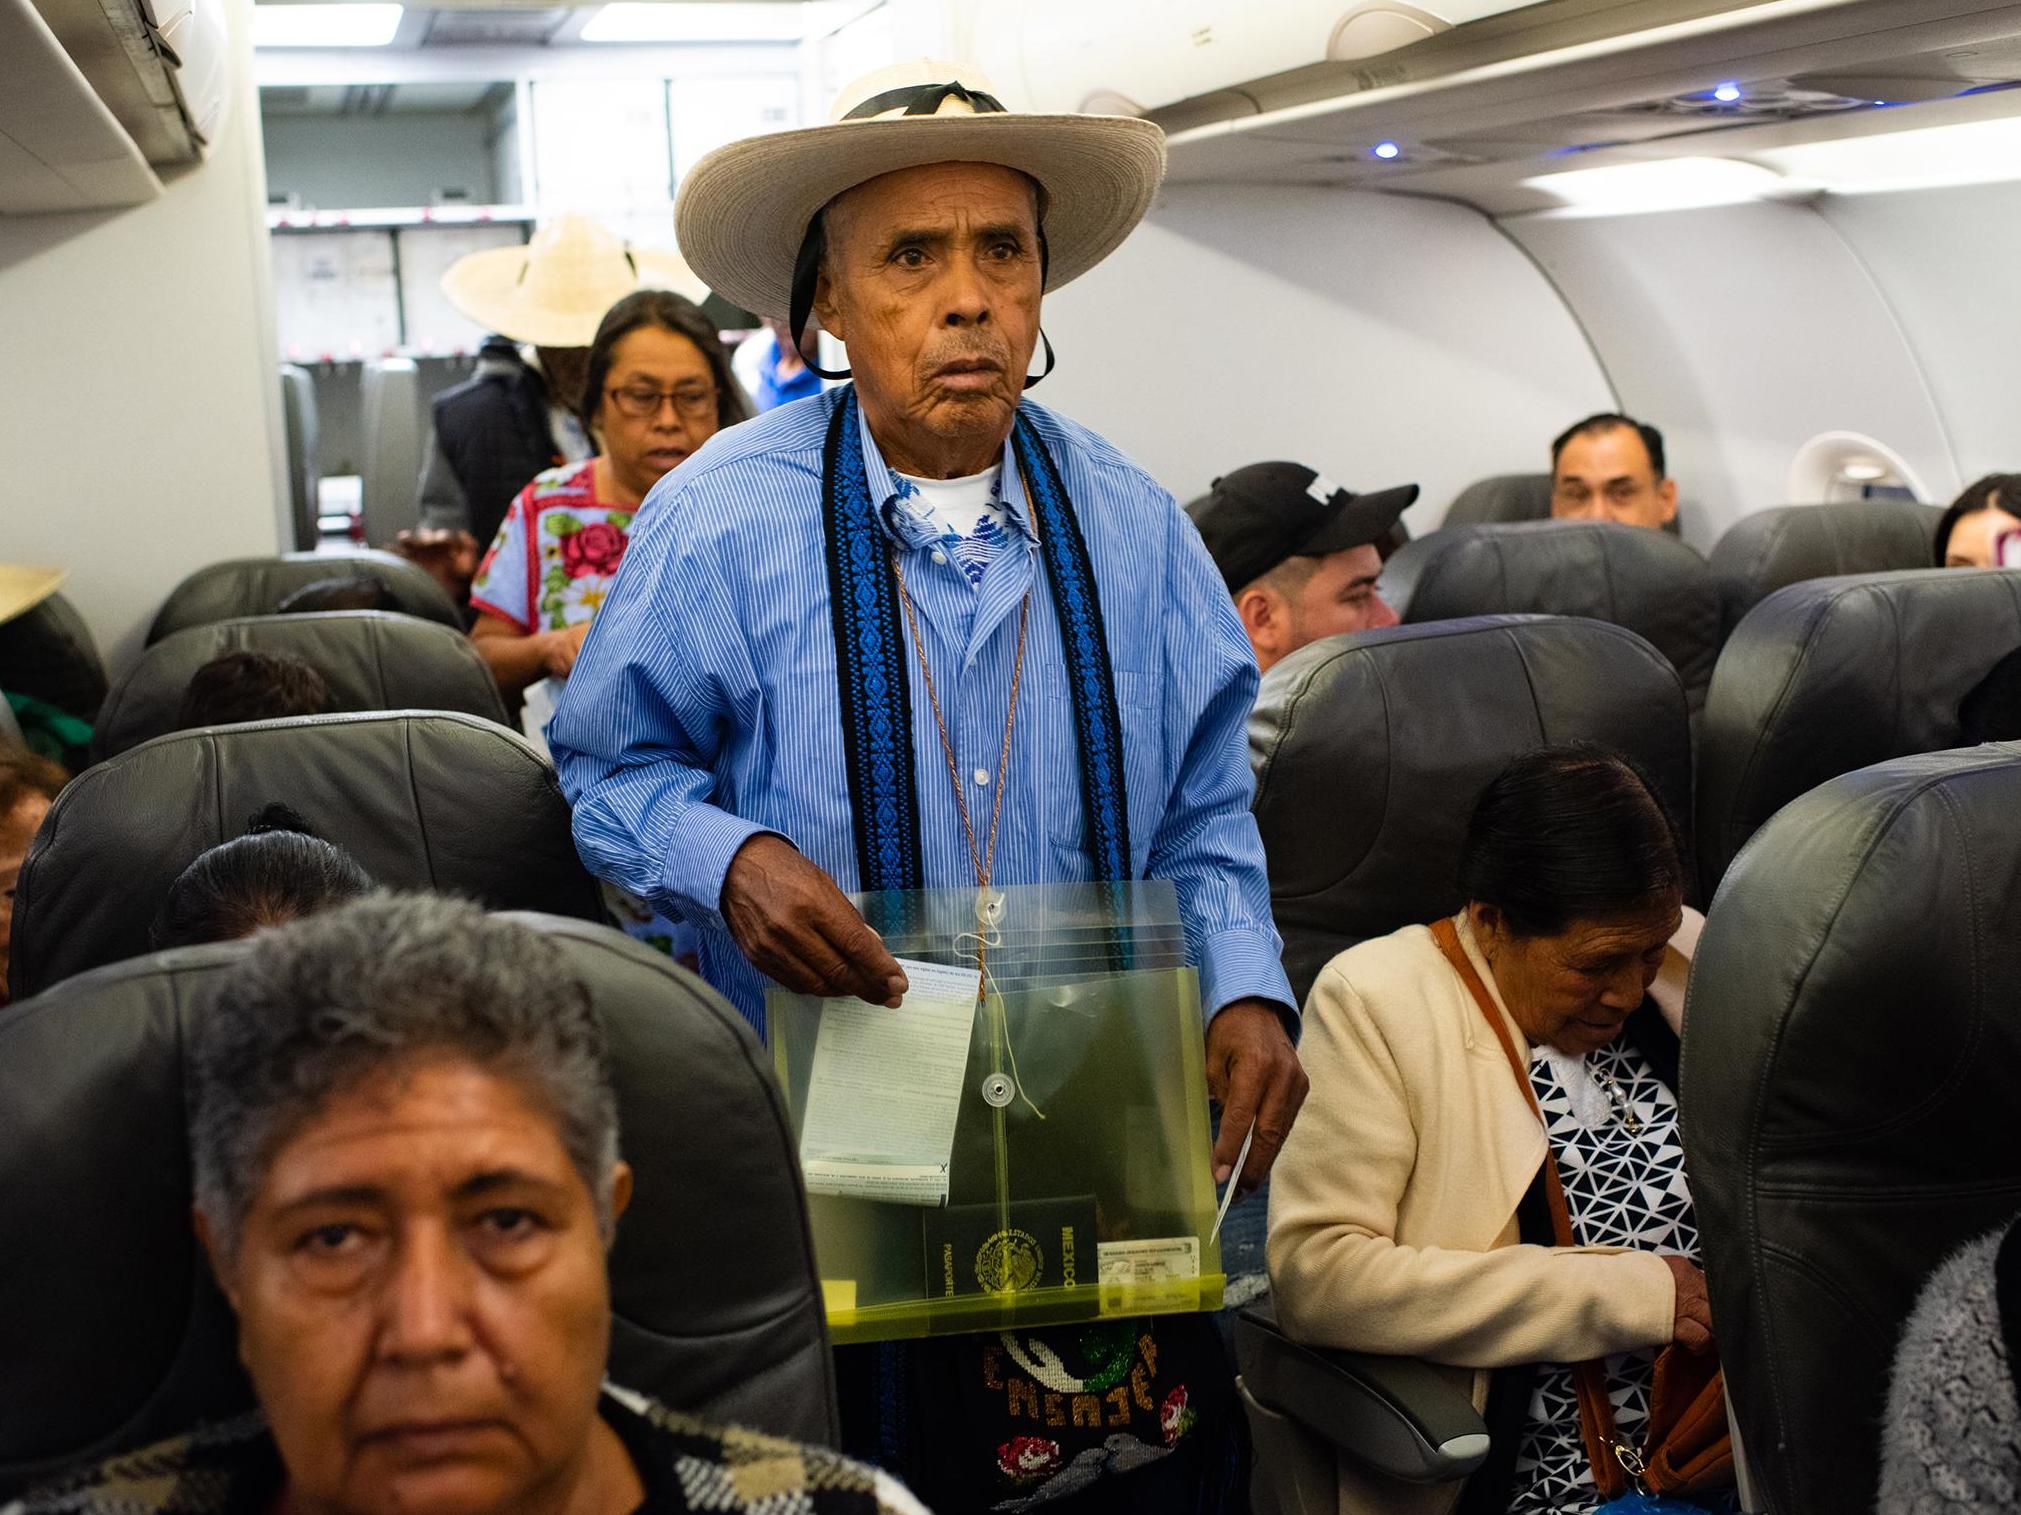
{"points": [[1256, 517]]}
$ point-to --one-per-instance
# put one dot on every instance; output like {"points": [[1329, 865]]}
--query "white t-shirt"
{"points": [[968, 515], [958, 506]]}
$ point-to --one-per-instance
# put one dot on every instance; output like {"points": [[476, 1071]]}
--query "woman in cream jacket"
{"points": [[1407, 1211]]}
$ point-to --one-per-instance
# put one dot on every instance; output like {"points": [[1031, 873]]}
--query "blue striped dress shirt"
{"points": [[704, 707]]}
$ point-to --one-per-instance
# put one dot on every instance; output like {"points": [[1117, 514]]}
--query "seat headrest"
{"points": [[1505, 497], [1852, 1092], [372, 660], [116, 1336], [1369, 750], [1644, 580], [1760, 553], [422, 800], [1829, 675], [256, 586]]}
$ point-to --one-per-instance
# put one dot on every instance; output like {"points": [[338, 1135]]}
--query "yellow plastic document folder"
{"points": [[1025, 1141]]}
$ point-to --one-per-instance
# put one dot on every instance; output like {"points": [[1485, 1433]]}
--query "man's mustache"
{"points": [[967, 351]]}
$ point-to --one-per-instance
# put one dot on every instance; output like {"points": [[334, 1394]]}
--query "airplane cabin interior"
{"points": [[637, 876]]}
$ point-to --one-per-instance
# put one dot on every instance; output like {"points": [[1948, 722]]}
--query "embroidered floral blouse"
{"points": [[557, 553]]}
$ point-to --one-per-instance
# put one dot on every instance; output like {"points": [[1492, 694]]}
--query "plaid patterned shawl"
{"points": [[231, 1468]]}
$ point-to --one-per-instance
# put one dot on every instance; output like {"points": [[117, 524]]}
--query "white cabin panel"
{"points": [[1945, 260], [1377, 339], [1742, 331]]}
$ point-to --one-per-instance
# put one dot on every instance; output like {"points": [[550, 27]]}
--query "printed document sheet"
{"points": [[885, 1089]]}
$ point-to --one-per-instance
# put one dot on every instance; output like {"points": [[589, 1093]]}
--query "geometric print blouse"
{"points": [[1624, 1188]]}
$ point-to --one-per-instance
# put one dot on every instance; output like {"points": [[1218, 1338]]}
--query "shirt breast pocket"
{"points": [[1139, 705]]}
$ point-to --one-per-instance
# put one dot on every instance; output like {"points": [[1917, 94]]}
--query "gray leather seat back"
{"points": [[1761, 553], [298, 421], [1644, 580], [115, 1336], [372, 659], [1851, 1094], [256, 586], [392, 415], [1369, 750], [1831, 675], [423, 800], [1505, 497]]}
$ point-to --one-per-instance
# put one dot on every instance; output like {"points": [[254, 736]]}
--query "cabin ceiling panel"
{"points": [[1792, 60]]}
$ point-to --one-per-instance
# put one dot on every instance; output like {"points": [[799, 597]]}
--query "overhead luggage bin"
{"points": [[61, 148]]}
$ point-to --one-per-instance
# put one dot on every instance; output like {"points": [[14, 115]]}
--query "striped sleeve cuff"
{"points": [[1243, 964], [698, 857]]}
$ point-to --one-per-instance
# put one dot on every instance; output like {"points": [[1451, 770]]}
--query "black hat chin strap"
{"points": [[806, 274], [1052, 362]]}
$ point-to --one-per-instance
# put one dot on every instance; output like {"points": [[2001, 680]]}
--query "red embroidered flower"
{"points": [[1024, 1458], [595, 549], [1175, 1416]]}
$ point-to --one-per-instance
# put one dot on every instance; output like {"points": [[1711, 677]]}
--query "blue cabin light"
{"points": [[1727, 93], [1387, 150]]}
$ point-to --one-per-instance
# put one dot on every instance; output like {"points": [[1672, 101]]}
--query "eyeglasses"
{"points": [[642, 404]]}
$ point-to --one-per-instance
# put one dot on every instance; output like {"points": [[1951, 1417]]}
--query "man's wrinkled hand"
{"points": [[799, 930], [1254, 1073]]}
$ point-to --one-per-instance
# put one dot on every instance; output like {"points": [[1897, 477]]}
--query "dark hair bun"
{"points": [[278, 817]]}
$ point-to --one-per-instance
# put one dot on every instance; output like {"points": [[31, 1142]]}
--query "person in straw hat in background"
{"points": [[517, 415], [918, 631], [51, 680]]}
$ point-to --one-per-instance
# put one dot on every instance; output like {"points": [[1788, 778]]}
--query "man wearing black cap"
{"points": [[1299, 553]]}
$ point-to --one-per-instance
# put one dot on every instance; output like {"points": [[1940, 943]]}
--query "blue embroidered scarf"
{"points": [[870, 660]]}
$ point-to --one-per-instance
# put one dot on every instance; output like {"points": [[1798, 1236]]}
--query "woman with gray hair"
{"points": [[407, 1178]]}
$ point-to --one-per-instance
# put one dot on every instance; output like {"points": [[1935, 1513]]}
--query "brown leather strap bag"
{"points": [[1687, 1449]]}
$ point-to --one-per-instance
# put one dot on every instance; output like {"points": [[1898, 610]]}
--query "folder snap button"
{"points": [[998, 1090]]}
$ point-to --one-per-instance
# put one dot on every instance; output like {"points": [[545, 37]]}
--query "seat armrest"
{"points": [[1395, 1414]]}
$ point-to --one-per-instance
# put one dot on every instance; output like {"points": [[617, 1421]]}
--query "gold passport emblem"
{"points": [[1009, 1262]]}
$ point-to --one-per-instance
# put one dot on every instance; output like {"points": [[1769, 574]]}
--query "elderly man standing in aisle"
{"points": [[918, 632]]}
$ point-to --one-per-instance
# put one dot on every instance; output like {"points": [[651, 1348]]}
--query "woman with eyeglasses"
{"points": [[657, 385]]}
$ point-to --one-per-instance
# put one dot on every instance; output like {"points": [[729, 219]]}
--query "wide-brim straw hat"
{"points": [[554, 290], [743, 211], [22, 587]]}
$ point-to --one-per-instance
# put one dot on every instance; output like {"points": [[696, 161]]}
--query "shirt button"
{"points": [[982, 775], [939, 556]]}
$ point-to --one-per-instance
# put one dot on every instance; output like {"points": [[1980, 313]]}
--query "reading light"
{"points": [[1659, 184], [1727, 93], [1387, 151], [1965, 152], [655, 21], [325, 25]]}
